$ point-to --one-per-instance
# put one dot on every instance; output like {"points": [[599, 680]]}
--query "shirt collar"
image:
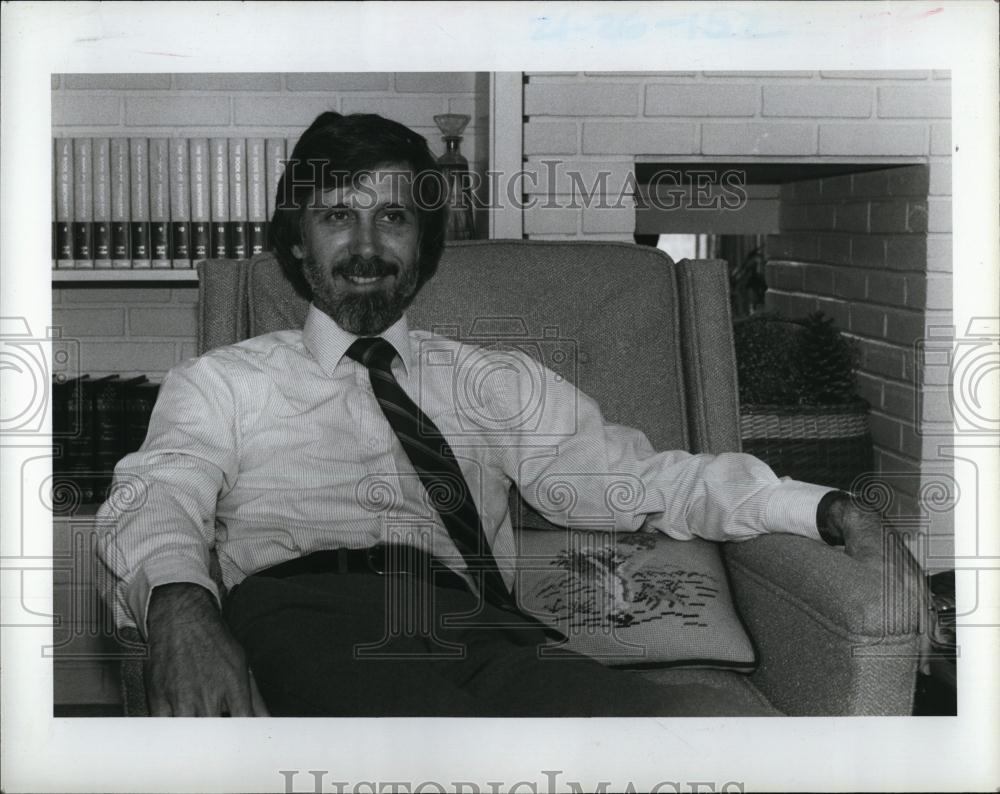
{"points": [[328, 342]]}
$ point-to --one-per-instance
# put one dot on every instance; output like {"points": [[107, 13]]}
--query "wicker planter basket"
{"points": [[823, 444]]}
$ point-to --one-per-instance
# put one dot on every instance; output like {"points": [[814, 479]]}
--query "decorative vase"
{"points": [[454, 166]]}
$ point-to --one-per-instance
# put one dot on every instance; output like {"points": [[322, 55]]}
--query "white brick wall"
{"points": [[552, 138], [853, 140], [637, 137], [327, 81], [146, 331], [704, 99], [758, 138], [231, 105], [581, 98], [817, 99], [794, 115], [127, 329], [915, 101], [869, 271], [227, 82]]}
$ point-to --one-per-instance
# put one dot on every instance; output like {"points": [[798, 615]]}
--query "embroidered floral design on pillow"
{"points": [[600, 586]]}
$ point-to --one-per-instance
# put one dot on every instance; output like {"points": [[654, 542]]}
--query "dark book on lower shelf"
{"points": [[139, 400], [110, 400], [71, 436], [67, 407], [96, 460], [105, 430], [124, 398], [95, 422], [67, 396]]}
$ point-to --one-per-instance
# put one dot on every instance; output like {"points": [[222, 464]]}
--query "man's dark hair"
{"points": [[336, 147]]}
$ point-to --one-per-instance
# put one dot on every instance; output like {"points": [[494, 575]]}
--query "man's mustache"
{"points": [[365, 268]]}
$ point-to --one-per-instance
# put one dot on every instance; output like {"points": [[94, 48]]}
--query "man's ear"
{"points": [[297, 251]]}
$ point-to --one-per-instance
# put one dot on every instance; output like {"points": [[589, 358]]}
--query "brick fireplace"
{"points": [[864, 237], [855, 247]]}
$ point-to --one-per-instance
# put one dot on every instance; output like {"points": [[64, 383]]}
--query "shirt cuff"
{"points": [[791, 508], [154, 574]]}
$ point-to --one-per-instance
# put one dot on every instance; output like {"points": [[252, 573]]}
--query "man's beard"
{"points": [[364, 313]]}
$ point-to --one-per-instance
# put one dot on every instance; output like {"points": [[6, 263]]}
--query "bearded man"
{"points": [[258, 450]]}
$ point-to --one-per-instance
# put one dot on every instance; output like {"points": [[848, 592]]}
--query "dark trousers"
{"points": [[357, 644]]}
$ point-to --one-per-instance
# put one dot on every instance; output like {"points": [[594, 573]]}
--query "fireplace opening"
{"points": [[846, 239]]}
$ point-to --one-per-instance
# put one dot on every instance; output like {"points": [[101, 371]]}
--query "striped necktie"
{"points": [[435, 463]]}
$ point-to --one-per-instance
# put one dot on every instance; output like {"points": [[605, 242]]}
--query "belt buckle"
{"points": [[376, 559]]}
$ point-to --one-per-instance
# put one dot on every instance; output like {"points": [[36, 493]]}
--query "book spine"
{"points": [[200, 212], [60, 421], [65, 403], [106, 409], [121, 247], [102, 203], [256, 197], [124, 390], [64, 202], [78, 463], [219, 169], [180, 204], [275, 157], [159, 203], [139, 171], [138, 410], [237, 198], [83, 203], [54, 185]]}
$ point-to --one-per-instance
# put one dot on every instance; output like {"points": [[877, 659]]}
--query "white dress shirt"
{"points": [[276, 447]]}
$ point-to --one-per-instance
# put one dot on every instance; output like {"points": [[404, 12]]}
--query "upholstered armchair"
{"points": [[653, 347]]}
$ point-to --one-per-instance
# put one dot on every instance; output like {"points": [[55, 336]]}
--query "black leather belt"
{"points": [[380, 560], [388, 559]]}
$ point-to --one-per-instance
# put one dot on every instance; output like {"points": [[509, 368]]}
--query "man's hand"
{"points": [[871, 543], [866, 539], [195, 667]]}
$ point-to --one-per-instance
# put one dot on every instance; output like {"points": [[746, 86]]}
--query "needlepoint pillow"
{"points": [[628, 599]]}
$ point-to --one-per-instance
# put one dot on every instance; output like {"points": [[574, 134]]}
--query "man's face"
{"points": [[359, 250]]}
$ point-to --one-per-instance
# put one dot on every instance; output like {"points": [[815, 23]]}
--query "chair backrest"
{"points": [[651, 340]]}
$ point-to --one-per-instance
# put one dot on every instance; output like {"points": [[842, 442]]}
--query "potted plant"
{"points": [[799, 411]]}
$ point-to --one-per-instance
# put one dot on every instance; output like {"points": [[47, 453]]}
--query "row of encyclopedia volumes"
{"points": [[95, 422], [162, 202]]}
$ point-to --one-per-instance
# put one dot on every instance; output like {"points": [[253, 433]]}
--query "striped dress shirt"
{"points": [[275, 447]]}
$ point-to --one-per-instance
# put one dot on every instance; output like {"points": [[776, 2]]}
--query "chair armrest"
{"points": [[832, 636]]}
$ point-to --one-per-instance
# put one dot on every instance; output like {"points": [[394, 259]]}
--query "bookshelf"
{"points": [[124, 276]]}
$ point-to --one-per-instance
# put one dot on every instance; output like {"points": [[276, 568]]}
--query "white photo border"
{"points": [[42, 753]]}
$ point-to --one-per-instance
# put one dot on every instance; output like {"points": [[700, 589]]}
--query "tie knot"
{"points": [[372, 352]]}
